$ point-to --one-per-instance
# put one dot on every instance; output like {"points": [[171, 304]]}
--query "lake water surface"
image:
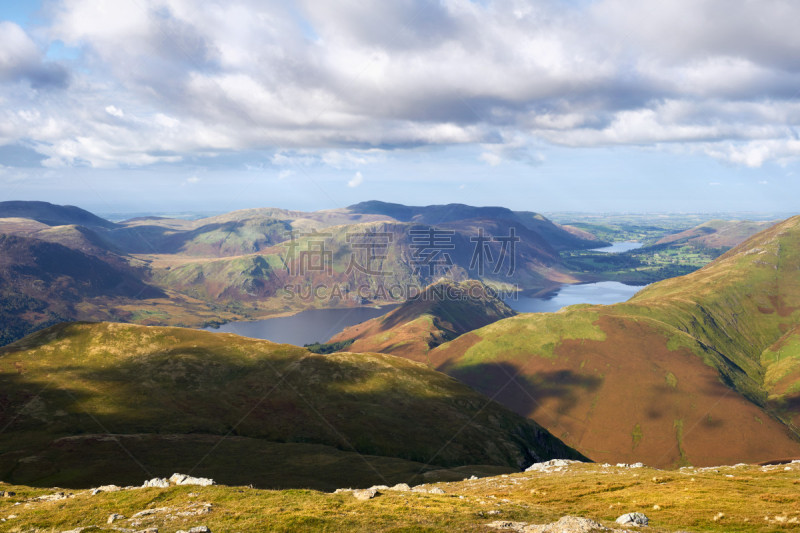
{"points": [[602, 292], [314, 325], [618, 247], [319, 325]]}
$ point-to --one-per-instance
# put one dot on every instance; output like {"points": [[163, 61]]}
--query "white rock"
{"points": [[158, 482], [365, 494], [183, 479], [553, 465], [632, 519]]}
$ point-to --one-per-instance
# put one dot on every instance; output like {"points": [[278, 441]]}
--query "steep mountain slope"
{"points": [[62, 386], [380, 261], [52, 215], [699, 369], [236, 233], [558, 237], [442, 312], [45, 282]]}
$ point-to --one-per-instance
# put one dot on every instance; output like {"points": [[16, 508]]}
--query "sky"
{"points": [[570, 105]]}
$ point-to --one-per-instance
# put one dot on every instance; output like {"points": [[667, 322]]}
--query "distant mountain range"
{"points": [[64, 263]]}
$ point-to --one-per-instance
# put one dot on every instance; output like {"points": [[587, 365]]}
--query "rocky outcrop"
{"points": [[633, 519], [566, 524]]}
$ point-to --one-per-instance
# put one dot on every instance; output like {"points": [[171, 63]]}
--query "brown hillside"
{"points": [[440, 313]]}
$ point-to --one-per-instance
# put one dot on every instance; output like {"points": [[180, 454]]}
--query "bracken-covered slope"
{"points": [[440, 313], [701, 369], [84, 404]]}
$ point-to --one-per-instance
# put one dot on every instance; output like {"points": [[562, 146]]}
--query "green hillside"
{"points": [[700, 369], [725, 499], [79, 400]]}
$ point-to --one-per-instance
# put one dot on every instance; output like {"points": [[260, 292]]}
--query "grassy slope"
{"points": [[699, 369], [84, 379], [726, 500], [442, 312]]}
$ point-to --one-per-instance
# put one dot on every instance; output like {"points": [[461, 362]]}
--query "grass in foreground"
{"points": [[730, 499]]}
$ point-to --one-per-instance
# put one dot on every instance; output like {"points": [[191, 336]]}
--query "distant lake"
{"points": [[618, 247], [322, 324], [602, 292], [306, 327]]}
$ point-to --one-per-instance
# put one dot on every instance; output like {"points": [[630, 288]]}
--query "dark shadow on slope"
{"points": [[522, 393]]}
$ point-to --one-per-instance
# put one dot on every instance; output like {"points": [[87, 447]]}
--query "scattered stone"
{"points": [[633, 519], [106, 488], [53, 497], [158, 482], [507, 525], [365, 494], [196, 510], [401, 487], [634, 465], [196, 529], [553, 465], [436, 490], [183, 479], [114, 516], [342, 491], [148, 512], [148, 530], [566, 524], [718, 517]]}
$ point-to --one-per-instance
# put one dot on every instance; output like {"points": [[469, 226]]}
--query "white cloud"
{"points": [[283, 174], [114, 111], [356, 180], [21, 59], [192, 180], [357, 78]]}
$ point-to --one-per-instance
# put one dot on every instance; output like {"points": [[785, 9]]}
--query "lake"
{"points": [[306, 327], [319, 325], [618, 247], [602, 292]]}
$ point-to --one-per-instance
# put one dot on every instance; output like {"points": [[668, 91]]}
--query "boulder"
{"points": [[565, 524], [183, 479], [365, 494], [633, 519], [158, 482], [554, 465]]}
